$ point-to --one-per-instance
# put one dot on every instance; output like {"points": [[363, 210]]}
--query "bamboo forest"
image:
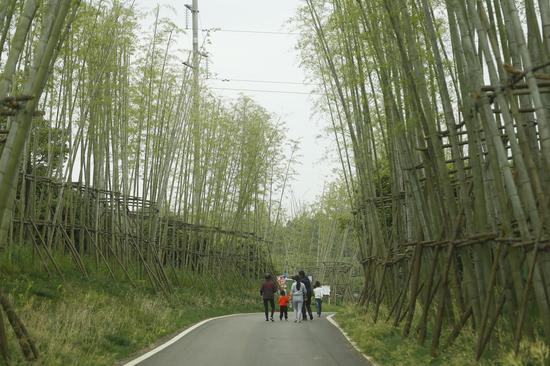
{"points": [[137, 198]]}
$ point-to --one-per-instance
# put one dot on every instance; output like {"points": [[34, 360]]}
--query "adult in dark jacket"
{"points": [[307, 299], [267, 291]]}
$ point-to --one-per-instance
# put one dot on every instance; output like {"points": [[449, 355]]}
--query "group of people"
{"points": [[300, 294]]}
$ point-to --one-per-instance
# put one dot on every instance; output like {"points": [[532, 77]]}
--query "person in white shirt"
{"points": [[318, 292], [298, 291]]}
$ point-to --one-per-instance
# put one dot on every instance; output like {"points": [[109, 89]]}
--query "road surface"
{"points": [[248, 340]]}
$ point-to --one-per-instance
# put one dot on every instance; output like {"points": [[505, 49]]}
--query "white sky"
{"points": [[263, 57]]}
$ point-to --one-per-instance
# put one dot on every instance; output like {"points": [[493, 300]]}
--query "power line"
{"points": [[262, 81], [264, 91], [247, 31]]}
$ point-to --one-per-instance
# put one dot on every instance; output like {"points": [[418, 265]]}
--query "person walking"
{"points": [[318, 293], [283, 305], [298, 292], [267, 291], [307, 299]]}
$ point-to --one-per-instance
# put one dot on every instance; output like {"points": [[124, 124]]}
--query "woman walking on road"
{"points": [[298, 292], [267, 291], [318, 291]]}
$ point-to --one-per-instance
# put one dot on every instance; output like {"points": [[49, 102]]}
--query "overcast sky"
{"points": [[269, 59]]}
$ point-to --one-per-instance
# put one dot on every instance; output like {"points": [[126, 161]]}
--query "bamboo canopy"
{"points": [[441, 115]]}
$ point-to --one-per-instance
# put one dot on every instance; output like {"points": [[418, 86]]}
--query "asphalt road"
{"points": [[248, 340]]}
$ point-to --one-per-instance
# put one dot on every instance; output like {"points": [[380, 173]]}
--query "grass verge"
{"points": [[384, 344], [99, 321]]}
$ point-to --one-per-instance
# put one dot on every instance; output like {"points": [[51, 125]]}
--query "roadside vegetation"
{"points": [[99, 321], [384, 344]]}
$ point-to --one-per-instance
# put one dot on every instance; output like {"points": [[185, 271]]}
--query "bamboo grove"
{"points": [[440, 110], [112, 154]]}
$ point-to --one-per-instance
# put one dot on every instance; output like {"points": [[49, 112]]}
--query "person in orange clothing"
{"points": [[283, 305]]}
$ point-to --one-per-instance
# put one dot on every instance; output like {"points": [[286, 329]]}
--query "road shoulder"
{"points": [[331, 320]]}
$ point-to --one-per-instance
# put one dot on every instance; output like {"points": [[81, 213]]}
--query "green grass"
{"points": [[100, 321], [384, 344]]}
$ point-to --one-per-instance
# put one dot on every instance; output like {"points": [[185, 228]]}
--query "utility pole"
{"points": [[195, 15], [195, 116]]}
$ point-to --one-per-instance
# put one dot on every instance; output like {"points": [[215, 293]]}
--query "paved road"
{"points": [[248, 340]]}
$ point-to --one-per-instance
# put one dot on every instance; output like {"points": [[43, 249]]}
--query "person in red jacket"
{"points": [[267, 291], [283, 305]]}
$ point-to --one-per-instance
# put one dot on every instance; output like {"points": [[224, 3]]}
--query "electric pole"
{"points": [[195, 15], [195, 116]]}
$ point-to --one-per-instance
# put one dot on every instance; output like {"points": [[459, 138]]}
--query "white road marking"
{"points": [[333, 322], [145, 356]]}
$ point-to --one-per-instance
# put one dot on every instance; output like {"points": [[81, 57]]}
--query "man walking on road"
{"points": [[267, 291], [307, 298]]}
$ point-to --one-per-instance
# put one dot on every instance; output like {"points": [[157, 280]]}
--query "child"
{"points": [[283, 305]]}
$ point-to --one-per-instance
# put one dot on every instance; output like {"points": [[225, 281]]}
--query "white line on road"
{"points": [[333, 322], [145, 356]]}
